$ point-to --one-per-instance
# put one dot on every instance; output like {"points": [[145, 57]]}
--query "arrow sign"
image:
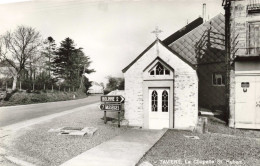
{"points": [[113, 99], [112, 107]]}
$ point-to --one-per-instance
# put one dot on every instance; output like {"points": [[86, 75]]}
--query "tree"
{"points": [[115, 83], [70, 63], [49, 49], [20, 49], [102, 84]]}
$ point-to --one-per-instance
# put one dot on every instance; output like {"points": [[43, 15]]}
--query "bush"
{"points": [[16, 97], [106, 91]]}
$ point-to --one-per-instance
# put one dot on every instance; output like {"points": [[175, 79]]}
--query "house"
{"points": [[95, 88], [243, 50], [167, 82]]}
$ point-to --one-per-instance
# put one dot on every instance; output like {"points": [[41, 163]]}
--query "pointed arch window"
{"points": [[154, 101], [165, 101], [159, 69]]}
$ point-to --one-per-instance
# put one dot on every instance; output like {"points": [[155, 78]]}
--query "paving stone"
{"points": [[89, 130], [55, 130]]}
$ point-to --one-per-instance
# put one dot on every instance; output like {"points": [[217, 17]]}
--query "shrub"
{"points": [[39, 97]]}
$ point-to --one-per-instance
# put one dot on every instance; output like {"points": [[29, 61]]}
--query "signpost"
{"points": [[112, 99], [111, 103], [112, 107]]}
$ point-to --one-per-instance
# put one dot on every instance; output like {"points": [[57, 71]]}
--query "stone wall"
{"points": [[239, 26], [239, 34]]}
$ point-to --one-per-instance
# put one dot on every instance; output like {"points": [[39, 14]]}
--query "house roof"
{"points": [[203, 44], [193, 38], [169, 39], [186, 29]]}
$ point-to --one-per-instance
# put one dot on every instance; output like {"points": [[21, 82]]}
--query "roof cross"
{"points": [[157, 31]]}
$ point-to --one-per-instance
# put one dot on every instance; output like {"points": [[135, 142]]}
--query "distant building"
{"points": [[96, 88], [243, 50]]}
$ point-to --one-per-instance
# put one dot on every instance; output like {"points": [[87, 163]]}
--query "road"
{"points": [[14, 114]]}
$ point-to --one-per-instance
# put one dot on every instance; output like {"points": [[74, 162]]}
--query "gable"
{"points": [[163, 45]]}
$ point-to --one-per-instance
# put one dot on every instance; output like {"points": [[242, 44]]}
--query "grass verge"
{"points": [[22, 98]]}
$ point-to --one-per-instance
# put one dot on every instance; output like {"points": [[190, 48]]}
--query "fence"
{"points": [[5, 85]]}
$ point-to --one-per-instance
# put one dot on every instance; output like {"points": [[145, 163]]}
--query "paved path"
{"points": [[14, 114], [123, 150]]}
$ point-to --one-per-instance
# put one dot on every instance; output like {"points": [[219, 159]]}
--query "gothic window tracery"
{"points": [[154, 101], [160, 70]]}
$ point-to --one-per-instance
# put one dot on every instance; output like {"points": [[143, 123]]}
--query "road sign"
{"points": [[112, 99], [112, 107]]}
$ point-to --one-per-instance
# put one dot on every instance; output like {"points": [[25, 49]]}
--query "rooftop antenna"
{"points": [[204, 12]]}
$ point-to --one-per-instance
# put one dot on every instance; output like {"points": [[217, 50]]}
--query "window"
{"points": [[254, 38], [253, 7], [165, 101], [160, 70], [218, 79], [154, 101]]}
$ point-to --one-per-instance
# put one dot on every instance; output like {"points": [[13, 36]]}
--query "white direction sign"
{"points": [[112, 99]]}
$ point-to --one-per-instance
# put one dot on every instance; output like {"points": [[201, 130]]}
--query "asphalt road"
{"points": [[14, 114]]}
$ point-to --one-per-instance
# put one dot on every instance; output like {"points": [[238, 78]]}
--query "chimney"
{"points": [[204, 12]]}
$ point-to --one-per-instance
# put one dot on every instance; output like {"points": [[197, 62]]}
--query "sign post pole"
{"points": [[112, 103], [119, 119], [105, 117]]}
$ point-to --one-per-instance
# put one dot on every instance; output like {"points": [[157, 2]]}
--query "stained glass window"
{"points": [[165, 101], [154, 101]]}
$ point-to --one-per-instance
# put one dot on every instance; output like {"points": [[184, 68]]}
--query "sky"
{"points": [[111, 32]]}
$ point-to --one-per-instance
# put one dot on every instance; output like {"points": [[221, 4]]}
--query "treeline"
{"points": [[26, 57]]}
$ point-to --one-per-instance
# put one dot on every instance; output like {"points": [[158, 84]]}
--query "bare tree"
{"points": [[20, 49]]}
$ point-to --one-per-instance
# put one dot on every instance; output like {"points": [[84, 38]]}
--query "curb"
{"points": [[18, 161], [164, 130]]}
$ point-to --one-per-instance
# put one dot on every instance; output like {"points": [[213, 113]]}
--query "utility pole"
{"points": [[227, 4]]}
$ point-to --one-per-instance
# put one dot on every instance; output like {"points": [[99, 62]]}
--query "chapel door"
{"points": [[159, 108]]}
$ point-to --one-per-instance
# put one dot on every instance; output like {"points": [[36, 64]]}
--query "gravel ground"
{"points": [[216, 125], [222, 144], [37, 146], [173, 149]]}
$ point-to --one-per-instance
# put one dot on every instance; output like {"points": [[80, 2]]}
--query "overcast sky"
{"points": [[112, 33]]}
